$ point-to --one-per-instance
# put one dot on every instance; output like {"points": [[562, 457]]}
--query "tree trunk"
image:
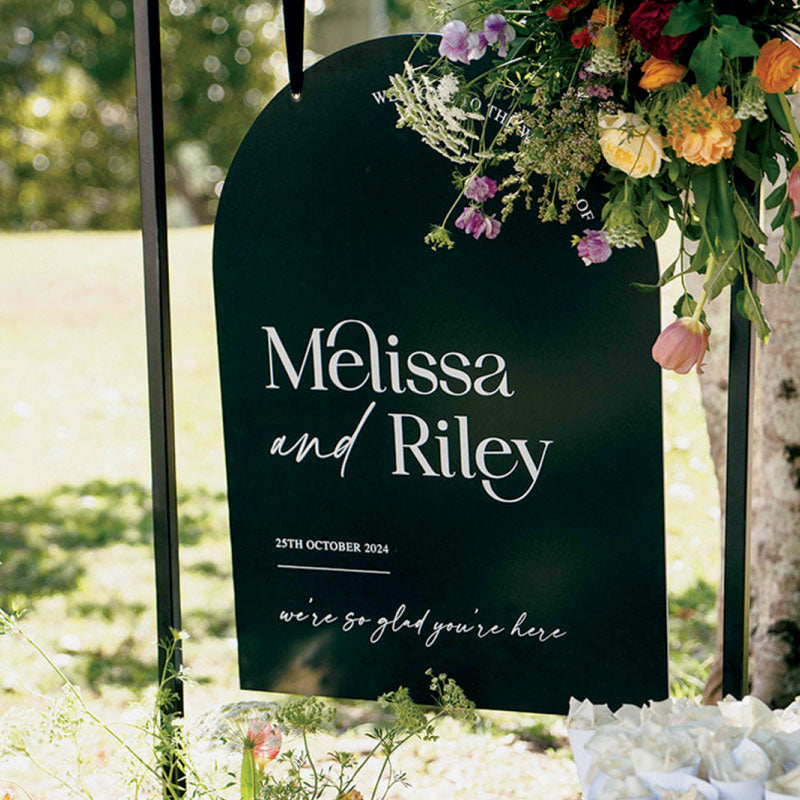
{"points": [[775, 531], [775, 553]]}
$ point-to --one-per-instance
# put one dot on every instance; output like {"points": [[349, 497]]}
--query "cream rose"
{"points": [[630, 144]]}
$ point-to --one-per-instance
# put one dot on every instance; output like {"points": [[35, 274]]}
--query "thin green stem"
{"points": [[18, 786], [787, 112], [8, 621], [54, 775], [311, 763]]}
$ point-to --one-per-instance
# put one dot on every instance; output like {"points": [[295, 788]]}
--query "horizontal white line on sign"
{"points": [[335, 569]]}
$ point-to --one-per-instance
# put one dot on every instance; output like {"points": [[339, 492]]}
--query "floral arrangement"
{"points": [[680, 106], [675, 749], [146, 757]]}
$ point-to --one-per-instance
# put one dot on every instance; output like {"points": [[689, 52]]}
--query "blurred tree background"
{"points": [[68, 149]]}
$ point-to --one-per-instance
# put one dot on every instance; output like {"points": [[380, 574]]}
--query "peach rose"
{"points": [[656, 72], [630, 144], [704, 129], [778, 66]]}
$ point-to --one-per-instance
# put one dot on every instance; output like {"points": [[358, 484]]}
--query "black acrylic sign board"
{"points": [[391, 547]]}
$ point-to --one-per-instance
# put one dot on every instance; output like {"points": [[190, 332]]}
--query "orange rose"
{"points": [[656, 72], [778, 66], [703, 129]]}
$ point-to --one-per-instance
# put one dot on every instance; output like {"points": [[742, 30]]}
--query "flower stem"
{"points": [[787, 112], [10, 623]]}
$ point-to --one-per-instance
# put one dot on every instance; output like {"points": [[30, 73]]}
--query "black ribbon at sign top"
{"points": [[294, 17]]}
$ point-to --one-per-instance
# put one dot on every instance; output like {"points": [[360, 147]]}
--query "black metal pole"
{"points": [[159, 358], [294, 22], [736, 547]]}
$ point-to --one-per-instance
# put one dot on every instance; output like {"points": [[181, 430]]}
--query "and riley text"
{"points": [[439, 448]]}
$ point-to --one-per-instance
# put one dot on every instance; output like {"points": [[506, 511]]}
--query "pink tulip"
{"points": [[793, 189], [681, 345]]}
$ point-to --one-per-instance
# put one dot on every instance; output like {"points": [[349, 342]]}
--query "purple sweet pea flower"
{"points": [[480, 189], [455, 43], [491, 227], [497, 30], [593, 248], [471, 221], [477, 45]]}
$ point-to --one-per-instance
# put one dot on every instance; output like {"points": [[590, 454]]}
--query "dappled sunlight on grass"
{"points": [[77, 551]]}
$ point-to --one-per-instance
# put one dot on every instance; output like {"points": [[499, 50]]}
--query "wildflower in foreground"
{"points": [[264, 739], [777, 66], [593, 248], [261, 743], [704, 129], [681, 345]]}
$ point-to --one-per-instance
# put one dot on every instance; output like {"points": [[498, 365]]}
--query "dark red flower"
{"points": [[561, 9], [648, 21], [580, 38]]}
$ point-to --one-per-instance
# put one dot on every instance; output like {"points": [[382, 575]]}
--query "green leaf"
{"points": [[723, 274], [748, 162], [774, 106], [685, 306], [782, 215], [706, 63], [775, 197], [685, 18], [724, 205], [701, 189], [746, 217], [700, 257], [674, 170], [771, 168], [736, 39], [657, 227], [749, 305], [666, 277], [789, 247], [665, 196], [760, 267]]}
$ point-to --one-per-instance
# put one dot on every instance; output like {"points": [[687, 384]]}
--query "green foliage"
{"points": [[68, 144], [305, 715], [157, 750], [692, 638]]}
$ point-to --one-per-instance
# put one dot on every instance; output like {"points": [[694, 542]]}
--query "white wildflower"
{"points": [[427, 107]]}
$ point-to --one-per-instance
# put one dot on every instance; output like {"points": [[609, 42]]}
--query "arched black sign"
{"points": [[447, 460]]}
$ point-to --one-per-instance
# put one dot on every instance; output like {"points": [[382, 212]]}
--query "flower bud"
{"points": [[681, 345]]}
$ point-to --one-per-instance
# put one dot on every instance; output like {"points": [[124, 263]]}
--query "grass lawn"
{"points": [[75, 540]]}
